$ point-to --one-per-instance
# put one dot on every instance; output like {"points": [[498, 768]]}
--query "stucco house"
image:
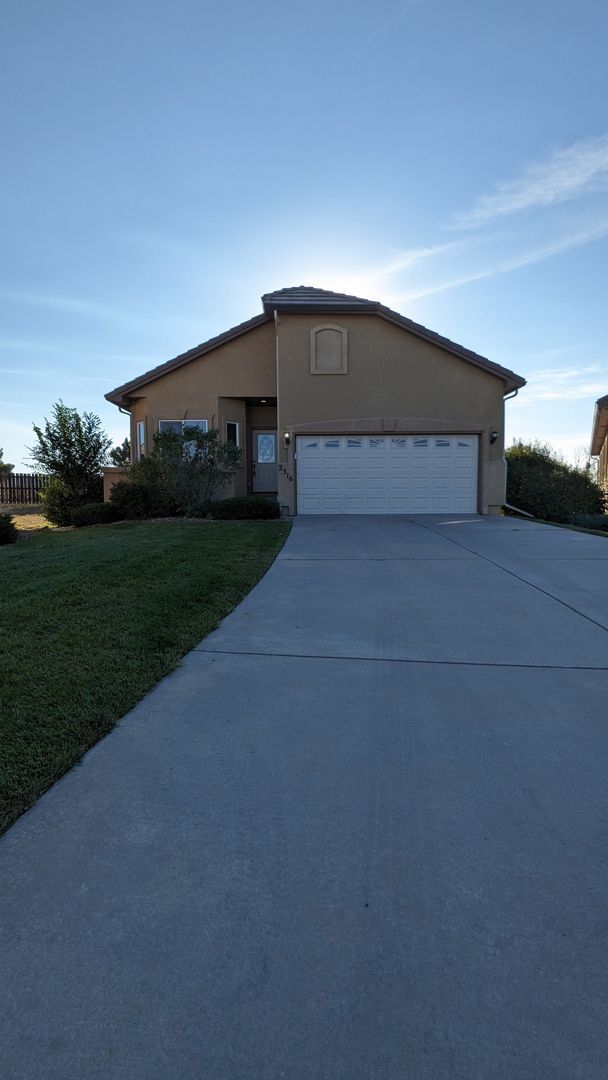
{"points": [[340, 406], [599, 439]]}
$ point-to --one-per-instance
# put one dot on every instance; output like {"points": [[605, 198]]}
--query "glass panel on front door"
{"points": [[267, 449]]}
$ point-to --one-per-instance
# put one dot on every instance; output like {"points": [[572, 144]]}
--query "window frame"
{"points": [[140, 439], [185, 423], [237, 425]]}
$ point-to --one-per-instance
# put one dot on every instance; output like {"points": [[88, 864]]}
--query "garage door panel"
{"points": [[380, 474]]}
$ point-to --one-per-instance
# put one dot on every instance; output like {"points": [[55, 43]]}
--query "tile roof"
{"points": [[309, 298]]}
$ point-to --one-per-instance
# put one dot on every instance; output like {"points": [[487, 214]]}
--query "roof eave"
{"points": [[121, 394], [511, 379]]}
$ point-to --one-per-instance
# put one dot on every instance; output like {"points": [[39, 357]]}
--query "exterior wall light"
{"points": [[286, 438], [493, 437]]}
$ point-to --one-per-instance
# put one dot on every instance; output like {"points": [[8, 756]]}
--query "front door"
{"points": [[264, 461]]}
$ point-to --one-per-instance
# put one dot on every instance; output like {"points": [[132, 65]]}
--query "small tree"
{"points": [[121, 455], [4, 465], [182, 474], [72, 449], [539, 482]]}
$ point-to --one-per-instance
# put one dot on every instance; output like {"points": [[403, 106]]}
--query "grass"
{"points": [[92, 618], [27, 517]]}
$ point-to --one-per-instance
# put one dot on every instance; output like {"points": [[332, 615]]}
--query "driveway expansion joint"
{"points": [[400, 660], [524, 581]]}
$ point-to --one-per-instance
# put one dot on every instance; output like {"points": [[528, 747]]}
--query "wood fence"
{"points": [[21, 489]]}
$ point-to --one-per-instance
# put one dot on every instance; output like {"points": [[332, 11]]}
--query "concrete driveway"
{"points": [[361, 833]]}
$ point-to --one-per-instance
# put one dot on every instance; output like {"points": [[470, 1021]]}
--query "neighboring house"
{"points": [[341, 406], [599, 439]]}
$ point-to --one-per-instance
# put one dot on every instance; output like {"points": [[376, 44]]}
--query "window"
{"points": [[233, 432], [328, 354], [140, 439], [177, 426], [267, 449]]}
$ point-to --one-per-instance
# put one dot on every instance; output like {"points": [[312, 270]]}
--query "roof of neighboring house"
{"points": [[306, 298], [600, 425]]}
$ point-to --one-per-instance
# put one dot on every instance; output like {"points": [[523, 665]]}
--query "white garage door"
{"points": [[387, 474]]}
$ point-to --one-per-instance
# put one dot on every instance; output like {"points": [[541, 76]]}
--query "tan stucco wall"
{"points": [[111, 475], [395, 382], [241, 368], [602, 466]]}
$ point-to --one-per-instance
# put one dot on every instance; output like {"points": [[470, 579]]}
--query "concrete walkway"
{"points": [[360, 834]]}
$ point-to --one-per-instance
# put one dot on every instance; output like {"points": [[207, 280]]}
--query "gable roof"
{"points": [[600, 425], [307, 298]]}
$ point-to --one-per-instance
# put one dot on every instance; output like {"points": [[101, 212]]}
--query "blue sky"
{"points": [[166, 163]]}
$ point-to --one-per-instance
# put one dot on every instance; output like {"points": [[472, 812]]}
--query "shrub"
{"points": [[8, 530], [136, 499], [194, 466], [102, 513], [58, 501], [591, 521], [246, 506], [180, 476], [539, 482]]}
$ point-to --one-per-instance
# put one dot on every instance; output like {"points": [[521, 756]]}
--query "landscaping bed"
{"points": [[92, 618]]}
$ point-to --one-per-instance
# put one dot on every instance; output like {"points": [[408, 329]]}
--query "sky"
{"points": [[166, 163]]}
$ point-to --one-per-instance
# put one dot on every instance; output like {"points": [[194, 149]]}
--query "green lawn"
{"points": [[91, 619]]}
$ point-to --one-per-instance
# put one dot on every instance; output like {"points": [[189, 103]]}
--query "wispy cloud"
{"points": [[375, 278], [30, 373], [564, 384], [568, 173], [504, 266], [69, 305], [404, 260]]}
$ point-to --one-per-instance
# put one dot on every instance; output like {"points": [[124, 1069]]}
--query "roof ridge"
{"points": [[302, 298]]}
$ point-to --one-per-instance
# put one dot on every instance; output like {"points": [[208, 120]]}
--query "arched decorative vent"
{"points": [[328, 350]]}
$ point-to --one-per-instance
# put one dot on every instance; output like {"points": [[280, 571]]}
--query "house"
{"points": [[599, 439], [340, 406]]}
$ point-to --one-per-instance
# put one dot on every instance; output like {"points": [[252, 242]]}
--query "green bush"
{"points": [[136, 499], [8, 530], [180, 476], [591, 521], [102, 513], [539, 482], [58, 501], [245, 506]]}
